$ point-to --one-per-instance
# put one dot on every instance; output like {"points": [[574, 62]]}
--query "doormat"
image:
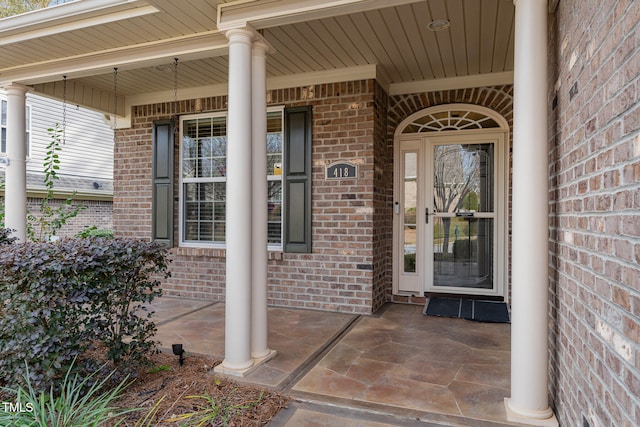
{"points": [[478, 310]]}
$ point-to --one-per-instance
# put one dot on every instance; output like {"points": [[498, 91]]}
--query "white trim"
{"points": [[463, 82], [66, 12], [266, 14], [499, 214], [181, 240], [413, 281], [274, 83], [28, 133], [363, 72], [78, 24], [203, 244]]}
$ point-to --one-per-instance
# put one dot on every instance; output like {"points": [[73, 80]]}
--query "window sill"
{"points": [[273, 254], [208, 252]]}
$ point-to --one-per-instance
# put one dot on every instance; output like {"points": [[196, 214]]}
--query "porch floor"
{"points": [[397, 367]]}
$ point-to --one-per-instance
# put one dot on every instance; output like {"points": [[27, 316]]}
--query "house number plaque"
{"points": [[342, 171]]}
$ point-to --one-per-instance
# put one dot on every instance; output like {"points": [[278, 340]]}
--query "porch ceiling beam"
{"points": [[190, 47], [462, 82], [266, 14]]}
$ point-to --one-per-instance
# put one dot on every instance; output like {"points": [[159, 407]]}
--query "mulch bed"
{"points": [[167, 391], [238, 405]]}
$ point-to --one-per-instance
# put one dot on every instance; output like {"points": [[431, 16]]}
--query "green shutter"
{"points": [[297, 180], [162, 218]]}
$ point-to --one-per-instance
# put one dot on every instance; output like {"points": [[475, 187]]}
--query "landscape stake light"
{"points": [[178, 351]]}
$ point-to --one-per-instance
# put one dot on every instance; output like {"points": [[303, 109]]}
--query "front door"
{"points": [[449, 213]]}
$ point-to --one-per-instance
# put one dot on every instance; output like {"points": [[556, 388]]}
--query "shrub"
{"points": [[58, 298], [94, 231], [5, 236]]}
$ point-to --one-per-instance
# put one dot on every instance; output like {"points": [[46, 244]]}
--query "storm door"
{"points": [[460, 216], [449, 213]]}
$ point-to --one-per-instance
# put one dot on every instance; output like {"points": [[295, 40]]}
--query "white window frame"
{"points": [[181, 181], [4, 105], [271, 177]]}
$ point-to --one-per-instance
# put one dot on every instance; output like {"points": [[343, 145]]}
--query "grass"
{"points": [[81, 402]]}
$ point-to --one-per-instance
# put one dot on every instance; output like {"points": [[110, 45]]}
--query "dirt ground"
{"points": [[169, 389]]}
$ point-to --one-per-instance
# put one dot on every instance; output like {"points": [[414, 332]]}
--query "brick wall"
{"points": [[594, 203], [382, 202], [97, 213], [345, 271], [338, 275], [498, 98]]}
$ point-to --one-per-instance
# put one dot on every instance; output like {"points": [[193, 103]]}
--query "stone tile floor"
{"points": [[397, 367]]}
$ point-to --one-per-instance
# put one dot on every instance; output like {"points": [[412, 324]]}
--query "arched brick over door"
{"points": [[497, 98]]}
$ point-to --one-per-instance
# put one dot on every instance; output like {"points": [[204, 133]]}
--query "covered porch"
{"points": [[128, 57], [397, 367]]}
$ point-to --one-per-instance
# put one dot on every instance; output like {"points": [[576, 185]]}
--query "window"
{"points": [[203, 177], [274, 177], [3, 128]]}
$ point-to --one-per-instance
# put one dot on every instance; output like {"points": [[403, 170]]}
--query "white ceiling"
{"points": [[395, 39]]}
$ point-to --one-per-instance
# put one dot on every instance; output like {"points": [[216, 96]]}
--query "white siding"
{"points": [[88, 150]]}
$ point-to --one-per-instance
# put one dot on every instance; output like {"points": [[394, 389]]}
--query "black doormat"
{"points": [[478, 310]]}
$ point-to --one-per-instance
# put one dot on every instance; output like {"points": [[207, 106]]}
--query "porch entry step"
{"points": [[478, 310]]}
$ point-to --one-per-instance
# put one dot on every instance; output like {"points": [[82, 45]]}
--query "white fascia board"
{"points": [[77, 25], [273, 83], [266, 14], [69, 16], [463, 82], [183, 94], [197, 46], [321, 77]]}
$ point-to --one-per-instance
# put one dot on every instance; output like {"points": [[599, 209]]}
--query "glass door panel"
{"points": [[464, 257], [462, 230], [409, 248], [410, 199]]}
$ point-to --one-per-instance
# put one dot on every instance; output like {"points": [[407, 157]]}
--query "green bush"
{"points": [[59, 298], [5, 236], [94, 231]]}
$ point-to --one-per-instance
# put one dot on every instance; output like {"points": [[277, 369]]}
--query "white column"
{"points": [[530, 228], [16, 170], [239, 210], [259, 347]]}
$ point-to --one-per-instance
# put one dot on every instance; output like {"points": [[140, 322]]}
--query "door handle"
{"points": [[426, 216]]}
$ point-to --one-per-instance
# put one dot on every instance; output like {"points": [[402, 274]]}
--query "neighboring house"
{"points": [[314, 154], [86, 160]]}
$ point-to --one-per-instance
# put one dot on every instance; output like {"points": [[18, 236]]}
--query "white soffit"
{"points": [[188, 47], [68, 17]]}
